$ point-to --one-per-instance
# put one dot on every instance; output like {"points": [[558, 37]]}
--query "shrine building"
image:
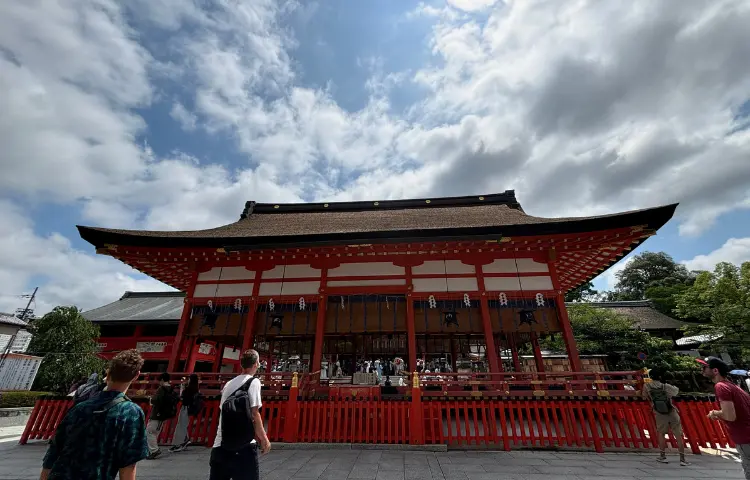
{"points": [[441, 281]]}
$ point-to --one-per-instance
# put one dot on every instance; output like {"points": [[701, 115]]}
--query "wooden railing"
{"points": [[598, 423]]}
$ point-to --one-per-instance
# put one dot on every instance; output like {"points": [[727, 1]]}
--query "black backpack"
{"points": [[237, 429], [660, 400], [196, 405]]}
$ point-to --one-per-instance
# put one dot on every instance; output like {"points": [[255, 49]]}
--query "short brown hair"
{"points": [[125, 366], [249, 358]]}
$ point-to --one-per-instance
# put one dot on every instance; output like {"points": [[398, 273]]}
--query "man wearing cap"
{"points": [[735, 407]]}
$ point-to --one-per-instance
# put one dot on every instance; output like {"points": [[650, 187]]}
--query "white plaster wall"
{"points": [[508, 265], [429, 284], [536, 283], [366, 283], [462, 285], [501, 284], [209, 290], [302, 271], [440, 267], [228, 273], [300, 288], [366, 269], [269, 289]]}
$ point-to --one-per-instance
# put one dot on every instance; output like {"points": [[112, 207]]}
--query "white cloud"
{"points": [[64, 274], [584, 107], [735, 250], [185, 118]]}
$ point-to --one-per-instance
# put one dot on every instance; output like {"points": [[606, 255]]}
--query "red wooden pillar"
{"points": [[416, 422], [320, 324], [138, 332], [513, 343], [179, 339], [247, 338], [537, 352], [567, 332], [489, 337], [291, 417], [411, 335], [562, 315], [192, 355], [320, 329], [218, 357]]}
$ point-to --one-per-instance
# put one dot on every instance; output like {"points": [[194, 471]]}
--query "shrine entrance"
{"points": [[352, 351]]}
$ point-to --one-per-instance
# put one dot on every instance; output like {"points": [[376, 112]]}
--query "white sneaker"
{"points": [[662, 460], [684, 463]]}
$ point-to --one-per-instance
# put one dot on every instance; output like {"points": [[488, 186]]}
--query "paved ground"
{"points": [[23, 462]]}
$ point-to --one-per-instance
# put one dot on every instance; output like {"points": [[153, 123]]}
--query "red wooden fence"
{"points": [[491, 423]]}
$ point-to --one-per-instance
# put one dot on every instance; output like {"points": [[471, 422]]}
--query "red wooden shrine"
{"points": [[462, 281]]}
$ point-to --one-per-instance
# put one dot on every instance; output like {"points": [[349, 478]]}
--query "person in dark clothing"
{"points": [[103, 437], [163, 407], [190, 399]]}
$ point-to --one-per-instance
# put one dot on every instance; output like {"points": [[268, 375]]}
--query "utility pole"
{"points": [[24, 315]]}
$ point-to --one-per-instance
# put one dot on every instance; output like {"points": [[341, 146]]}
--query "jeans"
{"points": [[744, 452], [153, 427], [181, 430], [241, 465]]}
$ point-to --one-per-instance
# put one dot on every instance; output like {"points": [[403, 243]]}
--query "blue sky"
{"points": [[170, 114]]}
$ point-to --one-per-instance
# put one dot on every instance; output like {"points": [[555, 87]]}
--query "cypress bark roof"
{"points": [[164, 307], [264, 225], [641, 312]]}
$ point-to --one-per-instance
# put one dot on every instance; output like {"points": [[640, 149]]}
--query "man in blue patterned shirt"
{"points": [[103, 436]]}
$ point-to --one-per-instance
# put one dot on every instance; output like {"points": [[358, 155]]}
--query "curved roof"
{"points": [[641, 312], [264, 225], [138, 307]]}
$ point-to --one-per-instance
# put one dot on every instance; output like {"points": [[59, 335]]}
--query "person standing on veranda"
{"points": [[235, 452]]}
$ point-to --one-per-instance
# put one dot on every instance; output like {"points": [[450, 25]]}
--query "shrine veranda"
{"points": [[459, 283]]}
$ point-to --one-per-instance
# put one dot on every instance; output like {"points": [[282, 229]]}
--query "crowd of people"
{"points": [[105, 434]]}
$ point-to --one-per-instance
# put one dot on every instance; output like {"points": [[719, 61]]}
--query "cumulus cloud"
{"points": [[67, 276], [584, 108], [735, 250]]}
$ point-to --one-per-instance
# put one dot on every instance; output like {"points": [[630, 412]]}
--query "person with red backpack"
{"points": [[235, 452], [667, 418]]}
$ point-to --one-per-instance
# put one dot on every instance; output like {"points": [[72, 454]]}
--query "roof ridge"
{"points": [[507, 198], [129, 294]]}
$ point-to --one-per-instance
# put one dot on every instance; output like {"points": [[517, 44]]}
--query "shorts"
{"points": [[665, 422]]}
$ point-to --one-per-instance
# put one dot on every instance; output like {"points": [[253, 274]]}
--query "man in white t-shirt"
{"points": [[242, 464]]}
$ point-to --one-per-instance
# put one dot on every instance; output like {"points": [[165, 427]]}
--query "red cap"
{"points": [[701, 361]]}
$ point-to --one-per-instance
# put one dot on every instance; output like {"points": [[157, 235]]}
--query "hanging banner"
{"points": [[205, 348], [151, 347]]}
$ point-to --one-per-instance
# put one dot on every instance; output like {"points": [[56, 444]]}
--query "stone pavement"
{"points": [[23, 462]]}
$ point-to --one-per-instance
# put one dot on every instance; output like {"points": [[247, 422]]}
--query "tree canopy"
{"points": [[67, 341], [584, 293], [600, 331], [654, 276], [720, 300]]}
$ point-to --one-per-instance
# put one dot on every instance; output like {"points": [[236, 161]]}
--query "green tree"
{"points": [[67, 341], [600, 331], [720, 301], [648, 270], [584, 293], [664, 298]]}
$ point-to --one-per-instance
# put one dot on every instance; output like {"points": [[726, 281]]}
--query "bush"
{"points": [[18, 399]]}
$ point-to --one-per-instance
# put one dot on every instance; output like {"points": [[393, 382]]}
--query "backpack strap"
{"points": [[246, 386], [112, 403]]}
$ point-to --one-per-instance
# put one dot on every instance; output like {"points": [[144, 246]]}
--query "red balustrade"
{"points": [[499, 422]]}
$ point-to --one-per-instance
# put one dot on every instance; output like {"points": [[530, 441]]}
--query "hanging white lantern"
{"points": [[432, 301], [503, 299], [539, 300], [301, 303], [387, 306], [467, 300], [343, 306], [271, 305], [210, 305], [238, 304]]}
